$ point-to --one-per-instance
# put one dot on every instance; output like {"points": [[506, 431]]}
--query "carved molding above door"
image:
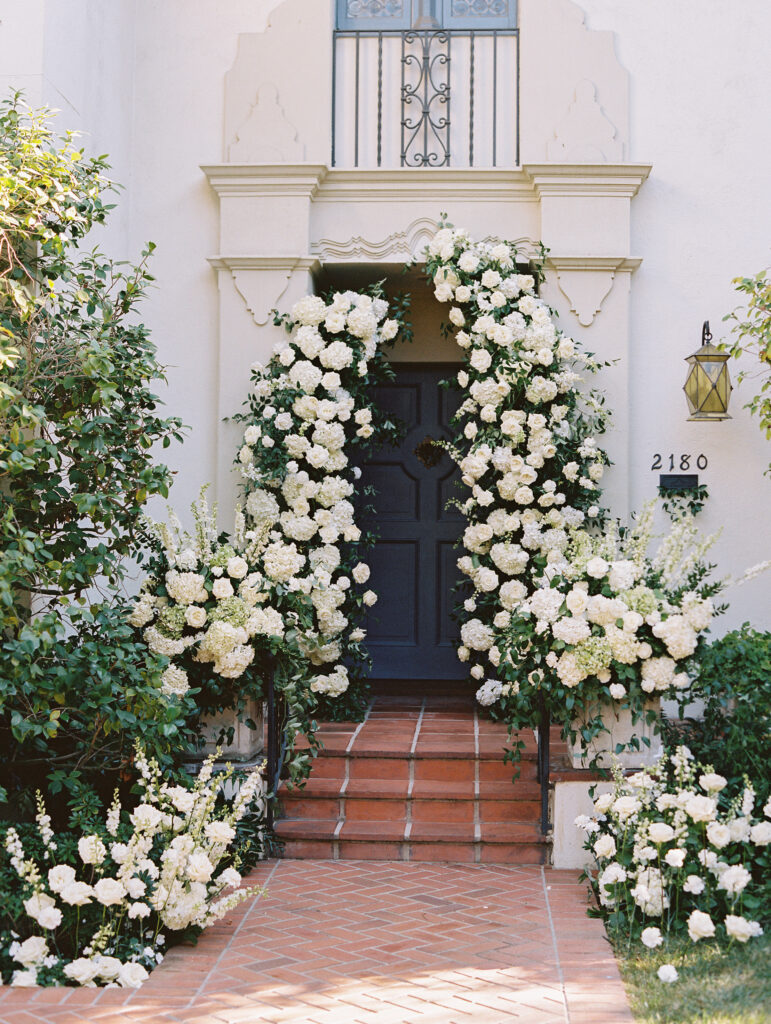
{"points": [[586, 281]]}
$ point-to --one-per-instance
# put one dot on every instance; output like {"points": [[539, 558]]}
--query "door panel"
{"points": [[410, 633]]}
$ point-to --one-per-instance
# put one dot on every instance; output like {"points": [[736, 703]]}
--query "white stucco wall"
{"points": [[700, 75], [146, 78]]}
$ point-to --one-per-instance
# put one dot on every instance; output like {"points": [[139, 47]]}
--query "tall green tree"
{"points": [[79, 419]]}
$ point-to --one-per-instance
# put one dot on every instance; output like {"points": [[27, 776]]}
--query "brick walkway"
{"points": [[356, 942]]}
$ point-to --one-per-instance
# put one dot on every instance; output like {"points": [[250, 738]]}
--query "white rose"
{"points": [[109, 891], [700, 926], [81, 970], [659, 832], [605, 846], [701, 808], [145, 816], [31, 951], [135, 887], [107, 966], [219, 832], [741, 929], [760, 834], [236, 568], [77, 894], [222, 588], [229, 878], [369, 597], [667, 973], [24, 979], [199, 867], [597, 567], [91, 849], [60, 876], [360, 572], [733, 880], [718, 835], [712, 782], [480, 359], [195, 616], [651, 937], [132, 975], [675, 858], [694, 885], [626, 806]]}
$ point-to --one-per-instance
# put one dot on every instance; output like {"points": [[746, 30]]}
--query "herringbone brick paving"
{"points": [[360, 942]]}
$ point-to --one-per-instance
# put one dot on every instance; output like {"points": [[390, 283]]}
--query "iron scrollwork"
{"points": [[425, 98]]}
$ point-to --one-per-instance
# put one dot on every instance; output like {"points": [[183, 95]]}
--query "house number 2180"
{"points": [[683, 464]]}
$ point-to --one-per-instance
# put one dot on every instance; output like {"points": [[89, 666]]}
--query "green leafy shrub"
{"points": [[734, 682], [78, 421], [752, 335]]}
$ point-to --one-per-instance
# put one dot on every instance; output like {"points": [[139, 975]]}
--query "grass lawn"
{"points": [[715, 986]]}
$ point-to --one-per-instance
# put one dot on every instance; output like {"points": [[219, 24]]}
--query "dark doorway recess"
{"points": [[410, 632]]}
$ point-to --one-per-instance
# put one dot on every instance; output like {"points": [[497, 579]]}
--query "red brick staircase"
{"points": [[422, 778]]}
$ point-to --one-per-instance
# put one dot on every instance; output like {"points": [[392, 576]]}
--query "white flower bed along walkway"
{"points": [[381, 943]]}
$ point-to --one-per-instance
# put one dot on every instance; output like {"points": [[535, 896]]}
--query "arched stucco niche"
{"points": [[426, 314]]}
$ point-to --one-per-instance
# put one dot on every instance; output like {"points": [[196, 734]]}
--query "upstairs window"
{"points": [[394, 15]]}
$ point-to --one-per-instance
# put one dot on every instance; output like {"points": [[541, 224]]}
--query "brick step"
{"points": [[447, 748], [523, 854], [388, 789], [393, 768], [497, 844], [505, 832], [383, 808]]}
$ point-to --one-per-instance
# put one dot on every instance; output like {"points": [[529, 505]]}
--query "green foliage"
{"points": [[752, 335], [734, 735], [78, 421], [686, 501]]}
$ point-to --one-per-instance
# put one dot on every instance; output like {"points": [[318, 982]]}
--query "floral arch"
{"points": [[568, 611]]}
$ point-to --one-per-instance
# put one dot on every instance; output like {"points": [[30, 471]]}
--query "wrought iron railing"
{"points": [[425, 98], [543, 764], [275, 713]]}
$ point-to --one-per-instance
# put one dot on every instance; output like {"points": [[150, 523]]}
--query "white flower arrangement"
{"points": [[205, 605], [581, 616], [311, 401], [107, 917], [671, 860]]}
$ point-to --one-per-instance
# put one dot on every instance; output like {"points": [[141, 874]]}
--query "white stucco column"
{"points": [[585, 217], [263, 262]]}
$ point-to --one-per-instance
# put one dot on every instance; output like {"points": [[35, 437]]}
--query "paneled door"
{"points": [[410, 633]]}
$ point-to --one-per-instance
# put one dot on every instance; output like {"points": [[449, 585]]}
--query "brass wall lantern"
{"points": [[708, 386]]}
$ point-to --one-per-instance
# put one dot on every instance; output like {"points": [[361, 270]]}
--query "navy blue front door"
{"points": [[410, 634]]}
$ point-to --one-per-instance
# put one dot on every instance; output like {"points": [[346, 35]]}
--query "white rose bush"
{"points": [[101, 909], [310, 419], [678, 857], [568, 610]]}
